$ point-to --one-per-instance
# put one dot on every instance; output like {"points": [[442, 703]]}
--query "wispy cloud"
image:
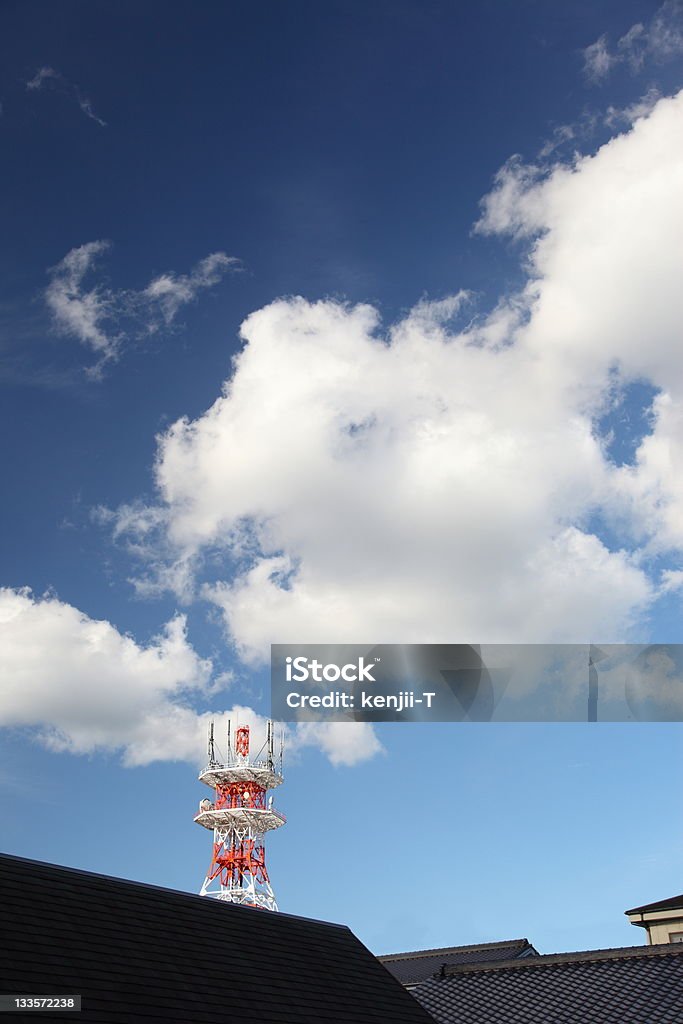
{"points": [[597, 60], [618, 116], [171, 291], [658, 41], [47, 75], [82, 314], [86, 106], [41, 76], [103, 318], [566, 140]]}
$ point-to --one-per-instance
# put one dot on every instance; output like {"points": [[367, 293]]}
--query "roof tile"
{"points": [[633, 985], [138, 953]]}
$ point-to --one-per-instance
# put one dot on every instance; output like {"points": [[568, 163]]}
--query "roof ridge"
{"points": [[96, 875], [418, 953], [583, 956]]}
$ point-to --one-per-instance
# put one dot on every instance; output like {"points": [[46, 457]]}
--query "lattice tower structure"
{"points": [[239, 816]]}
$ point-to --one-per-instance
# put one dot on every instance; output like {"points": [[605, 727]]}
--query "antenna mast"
{"points": [[239, 816]]}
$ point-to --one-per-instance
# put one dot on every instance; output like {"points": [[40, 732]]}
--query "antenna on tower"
{"points": [[229, 747], [239, 816]]}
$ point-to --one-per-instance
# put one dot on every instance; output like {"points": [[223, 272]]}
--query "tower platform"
{"points": [[238, 769], [258, 819], [240, 815]]}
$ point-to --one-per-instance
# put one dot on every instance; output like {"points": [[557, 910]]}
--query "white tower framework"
{"points": [[240, 815]]}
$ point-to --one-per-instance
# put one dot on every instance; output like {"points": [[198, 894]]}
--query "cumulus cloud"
{"points": [[344, 743], [513, 206], [46, 75], [87, 687], [660, 40], [604, 292], [103, 318], [84, 687], [429, 483]]}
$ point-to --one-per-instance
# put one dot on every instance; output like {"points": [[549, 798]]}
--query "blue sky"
{"points": [[466, 428]]}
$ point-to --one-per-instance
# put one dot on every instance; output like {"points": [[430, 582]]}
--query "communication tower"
{"points": [[239, 816]]}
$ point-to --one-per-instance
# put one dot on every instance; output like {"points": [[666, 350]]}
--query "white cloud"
{"points": [[618, 116], [659, 41], [78, 313], [42, 75], [513, 206], [597, 60], [425, 484], [632, 47], [606, 270], [48, 76], [86, 106], [344, 743], [429, 312], [83, 687], [561, 135], [87, 687], [171, 291], [103, 318], [665, 39], [136, 521], [672, 580]]}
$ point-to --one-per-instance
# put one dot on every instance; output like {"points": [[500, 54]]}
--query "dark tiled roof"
{"points": [[413, 968], [140, 953], [635, 985], [673, 903]]}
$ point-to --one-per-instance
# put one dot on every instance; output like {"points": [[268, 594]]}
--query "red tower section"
{"points": [[239, 816]]}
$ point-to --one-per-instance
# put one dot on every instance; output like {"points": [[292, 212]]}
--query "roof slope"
{"points": [[673, 903], [140, 953], [605, 986], [414, 968]]}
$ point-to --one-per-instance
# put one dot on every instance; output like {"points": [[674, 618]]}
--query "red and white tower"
{"points": [[240, 815]]}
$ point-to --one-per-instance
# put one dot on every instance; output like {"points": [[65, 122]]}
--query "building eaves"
{"points": [[673, 903], [414, 968], [549, 960], [471, 948]]}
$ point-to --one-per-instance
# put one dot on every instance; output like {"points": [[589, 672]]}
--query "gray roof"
{"points": [[138, 953], [419, 965], [634, 985]]}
